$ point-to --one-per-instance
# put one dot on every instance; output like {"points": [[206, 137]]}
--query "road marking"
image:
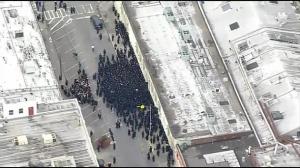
{"points": [[65, 34], [93, 112], [66, 23], [91, 8], [84, 17], [73, 76], [51, 21], [56, 24], [77, 11], [83, 9], [62, 11], [51, 12], [68, 50], [46, 15], [71, 67]]}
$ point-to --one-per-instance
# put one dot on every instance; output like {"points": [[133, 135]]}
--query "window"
{"points": [[21, 111], [234, 26], [11, 112]]}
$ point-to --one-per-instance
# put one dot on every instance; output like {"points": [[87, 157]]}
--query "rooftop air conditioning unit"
{"points": [[21, 140], [49, 138]]}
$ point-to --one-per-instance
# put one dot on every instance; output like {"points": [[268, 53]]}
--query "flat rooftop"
{"points": [[62, 118], [268, 49], [285, 156], [193, 95], [228, 153], [24, 62]]}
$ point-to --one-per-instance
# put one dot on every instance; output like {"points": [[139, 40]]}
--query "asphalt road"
{"points": [[64, 34]]}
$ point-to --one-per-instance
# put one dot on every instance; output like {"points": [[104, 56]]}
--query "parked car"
{"points": [[97, 22]]}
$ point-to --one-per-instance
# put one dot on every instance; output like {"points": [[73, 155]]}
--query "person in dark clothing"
{"points": [[148, 156], [91, 133], [65, 6], [114, 160], [112, 138], [169, 163], [157, 153], [99, 116], [128, 132], [143, 134], [153, 158], [123, 88], [114, 146], [98, 148]]}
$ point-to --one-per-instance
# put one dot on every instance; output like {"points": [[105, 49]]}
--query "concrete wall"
{"points": [[124, 18]]}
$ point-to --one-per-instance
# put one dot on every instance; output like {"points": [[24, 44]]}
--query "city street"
{"points": [[66, 33]]}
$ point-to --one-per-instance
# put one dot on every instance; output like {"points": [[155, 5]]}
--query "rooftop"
{"points": [[64, 120], [285, 156], [24, 63], [228, 153], [193, 93], [269, 50]]}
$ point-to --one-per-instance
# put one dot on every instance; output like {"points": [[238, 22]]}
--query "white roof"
{"points": [[186, 104], [257, 20], [64, 119], [24, 62]]}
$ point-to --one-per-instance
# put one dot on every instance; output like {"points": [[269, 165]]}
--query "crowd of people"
{"points": [[80, 89], [122, 87]]}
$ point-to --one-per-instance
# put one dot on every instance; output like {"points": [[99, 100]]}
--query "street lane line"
{"points": [[65, 34], [83, 9], [91, 8], [84, 17], [78, 11], [89, 114], [71, 77], [71, 67], [46, 15], [62, 11], [56, 24], [68, 50], [66, 23], [51, 21], [51, 14], [54, 14], [88, 10]]}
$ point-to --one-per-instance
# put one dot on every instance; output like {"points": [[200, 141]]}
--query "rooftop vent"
{"points": [[234, 26], [21, 140], [49, 138], [64, 161], [226, 7]]}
